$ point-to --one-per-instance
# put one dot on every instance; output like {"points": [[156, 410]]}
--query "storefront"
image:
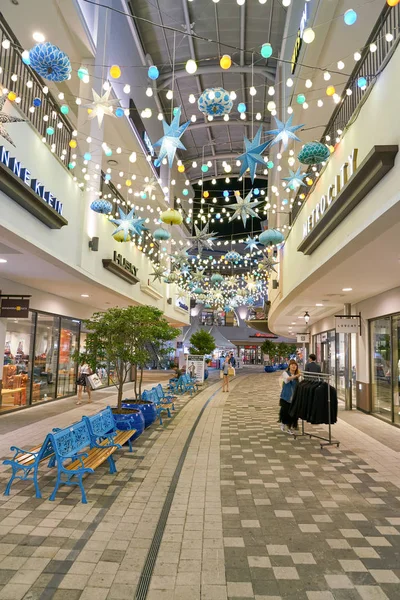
{"points": [[329, 348], [39, 361]]}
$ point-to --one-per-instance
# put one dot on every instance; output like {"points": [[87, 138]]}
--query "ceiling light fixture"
{"points": [[319, 304], [306, 317], [347, 289], [3, 260], [84, 295], [38, 37]]}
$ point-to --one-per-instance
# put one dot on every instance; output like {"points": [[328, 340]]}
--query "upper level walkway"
{"points": [[217, 504]]}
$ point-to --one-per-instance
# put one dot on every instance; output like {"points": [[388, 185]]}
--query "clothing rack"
{"points": [[326, 377]]}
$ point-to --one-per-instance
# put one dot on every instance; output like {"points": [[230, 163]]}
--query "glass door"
{"points": [[45, 358], [396, 368], [381, 367]]}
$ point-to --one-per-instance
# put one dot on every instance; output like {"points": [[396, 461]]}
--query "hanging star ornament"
{"points": [[252, 243], [101, 105], [199, 276], [158, 273], [252, 156], [244, 208], [231, 282], [202, 238], [295, 179], [5, 118], [181, 258], [150, 187], [268, 264], [284, 132], [171, 140], [128, 224]]}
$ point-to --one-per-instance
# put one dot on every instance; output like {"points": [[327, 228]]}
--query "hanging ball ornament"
{"points": [[362, 82], [83, 73], [153, 73], [225, 62], [181, 168], [330, 90], [73, 144], [171, 217], [215, 102], [350, 17], [266, 50], [37, 102], [191, 66], [206, 194], [115, 72], [11, 96], [119, 112], [393, 2], [300, 98], [308, 35], [161, 235], [270, 237], [313, 153], [64, 109], [242, 107]]}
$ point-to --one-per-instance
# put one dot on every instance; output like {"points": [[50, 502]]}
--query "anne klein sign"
{"points": [[347, 171]]}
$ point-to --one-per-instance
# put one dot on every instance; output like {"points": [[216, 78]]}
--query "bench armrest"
{"points": [[21, 451], [79, 457]]}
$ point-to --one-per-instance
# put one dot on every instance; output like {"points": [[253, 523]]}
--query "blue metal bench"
{"points": [[102, 426], [76, 445], [189, 384], [164, 402], [28, 461]]}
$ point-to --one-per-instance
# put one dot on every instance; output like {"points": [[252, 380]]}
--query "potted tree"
{"points": [[202, 343], [269, 348]]}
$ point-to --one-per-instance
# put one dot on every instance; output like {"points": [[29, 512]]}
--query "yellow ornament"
{"points": [[73, 144], [330, 90], [225, 61], [206, 194], [121, 237], [11, 96], [89, 110], [115, 72], [171, 217], [309, 181], [128, 182], [181, 168]]}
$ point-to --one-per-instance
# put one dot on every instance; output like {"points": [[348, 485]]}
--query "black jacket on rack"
{"points": [[310, 402]]}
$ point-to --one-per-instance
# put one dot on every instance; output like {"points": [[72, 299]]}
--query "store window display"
{"points": [[67, 369], [45, 358], [17, 363]]}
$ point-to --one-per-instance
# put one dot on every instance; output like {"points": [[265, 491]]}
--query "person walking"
{"points": [[290, 380], [312, 366], [225, 375], [83, 383], [232, 360]]}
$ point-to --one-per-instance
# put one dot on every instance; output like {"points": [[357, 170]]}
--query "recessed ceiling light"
{"points": [[84, 295], [38, 37], [3, 260], [319, 304], [293, 323], [347, 289]]}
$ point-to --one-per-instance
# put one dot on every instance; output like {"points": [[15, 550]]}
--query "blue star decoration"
{"points": [[244, 208], [252, 156], [171, 140], [129, 224], [295, 180], [252, 243], [284, 132]]}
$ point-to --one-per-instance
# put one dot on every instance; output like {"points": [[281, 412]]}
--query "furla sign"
{"points": [[350, 185]]}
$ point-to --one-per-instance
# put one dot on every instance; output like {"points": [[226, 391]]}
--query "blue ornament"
{"points": [[87, 156], [50, 62], [300, 99], [103, 207], [161, 234], [171, 140], [71, 166], [285, 201], [226, 194], [216, 278], [119, 112], [37, 102], [313, 153], [107, 177], [295, 179], [215, 102], [82, 72], [266, 50], [270, 164], [108, 152], [64, 109], [285, 132], [185, 192], [50, 131], [252, 156], [128, 225], [233, 256], [153, 73], [198, 290], [270, 237], [143, 195], [242, 107], [204, 168], [175, 111], [361, 82], [256, 191], [350, 17], [25, 59]]}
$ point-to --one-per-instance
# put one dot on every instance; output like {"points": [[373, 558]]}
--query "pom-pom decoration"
{"points": [[103, 207], [50, 62], [270, 237], [215, 102], [313, 153]]}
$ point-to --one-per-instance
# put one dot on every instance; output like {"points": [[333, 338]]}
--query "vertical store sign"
{"points": [[195, 367], [299, 38]]}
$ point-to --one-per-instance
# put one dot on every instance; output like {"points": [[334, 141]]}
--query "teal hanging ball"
{"points": [[266, 50], [313, 153]]}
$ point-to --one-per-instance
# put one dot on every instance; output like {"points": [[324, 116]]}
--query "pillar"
{"points": [[347, 364], [3, 331]]}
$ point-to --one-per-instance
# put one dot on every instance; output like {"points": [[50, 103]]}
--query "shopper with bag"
{"points": [[83, 382], [225, 375], [290, 379]]}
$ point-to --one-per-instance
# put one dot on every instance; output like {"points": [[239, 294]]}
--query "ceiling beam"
{"points": [[230, 175], [222, 156], [266, 72], [227, 123]]}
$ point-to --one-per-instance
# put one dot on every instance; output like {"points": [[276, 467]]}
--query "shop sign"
{"points": [[15, 308], [17, 182], [345, 192], [299, 39], [303, 338], [121, 267], [345, 324], [180, 303], [148, 144], [195, 367]]}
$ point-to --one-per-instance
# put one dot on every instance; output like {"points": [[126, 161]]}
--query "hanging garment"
{"points": [[310, 402]]}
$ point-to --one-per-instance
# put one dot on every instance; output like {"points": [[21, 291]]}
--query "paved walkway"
{"points": [[217, 504]]}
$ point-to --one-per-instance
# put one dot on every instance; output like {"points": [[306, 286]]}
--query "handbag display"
{"points": [[94, 381]]}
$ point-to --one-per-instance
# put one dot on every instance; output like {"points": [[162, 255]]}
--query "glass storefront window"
{"points": [[45, 358], [69, 336], [340, 366], [381, 367], [17, 363]]}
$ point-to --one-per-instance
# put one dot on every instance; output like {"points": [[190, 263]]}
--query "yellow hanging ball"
{"points": [[89, 110], [120, 237], [225, 61], [330, 90], [128, 182], [206, 194], [181, 168], [392, 2], [309, 181], [73, 144], [11, 96], [115, 72]]}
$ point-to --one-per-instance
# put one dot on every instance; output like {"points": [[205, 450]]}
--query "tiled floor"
{"points": [[255, 514]]}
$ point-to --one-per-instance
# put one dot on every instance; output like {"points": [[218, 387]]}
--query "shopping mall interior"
{"points": [[199, 300]]}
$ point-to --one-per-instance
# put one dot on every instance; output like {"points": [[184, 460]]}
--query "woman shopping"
{"points": [[290, 379], [225, 374], [83, 383]]}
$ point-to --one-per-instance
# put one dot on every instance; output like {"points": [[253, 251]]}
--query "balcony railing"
{"points": [[369, 66], [145, 242], [28, 86]]}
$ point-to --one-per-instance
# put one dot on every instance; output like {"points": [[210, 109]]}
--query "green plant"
{"points": [[201, 342], [119, 337], [268, 347]]}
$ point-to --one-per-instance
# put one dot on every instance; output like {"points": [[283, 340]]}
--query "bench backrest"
{"points": [[159, 391], [101, 423], [71, 440]]}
